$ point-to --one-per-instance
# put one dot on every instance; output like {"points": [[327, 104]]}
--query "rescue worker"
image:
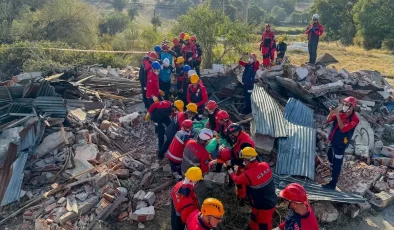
{"points": [[179, 107], [211, 215], [267, 46], [157, 49], [280, 50], [145, 69], [223, 122], [345, 121], [189, 51], [152, 86], [301, 215], [240, 140], [184, 199], [212, 110], [165, 78], [176, 50], [182, 37], [260, 189], [160, 114], [197, 63], [165, 53], [248, 78], [197, 93], [314, 31], [175, 151], [175, 126], [182, 81], [195, 154]]}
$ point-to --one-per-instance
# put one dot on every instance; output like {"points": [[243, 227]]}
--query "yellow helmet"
{"points": [[192, 107], [280, 39], [248, 153], [187, 37], [179, 60], [179, 105], [194, 78], [194, 174], [212, 207]]}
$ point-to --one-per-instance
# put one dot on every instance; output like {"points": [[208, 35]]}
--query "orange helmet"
{"points": [[212, 207]]}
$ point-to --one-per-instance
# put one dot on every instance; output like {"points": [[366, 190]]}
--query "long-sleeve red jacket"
{"points": [[314, 31], [185, 200], [152, 85], [198, 95]]}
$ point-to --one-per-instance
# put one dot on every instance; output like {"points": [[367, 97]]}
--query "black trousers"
{"points": [[312, 48], [144, 99], [165, 87], [176, 221], [335, 157], [197, 65]]}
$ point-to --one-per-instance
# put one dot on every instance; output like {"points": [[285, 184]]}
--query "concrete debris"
{"points": [[219, 178], [87, 152], [54, 141], [144, 214], [325, 211]]}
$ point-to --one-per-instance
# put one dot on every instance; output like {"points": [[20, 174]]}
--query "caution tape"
{"points": [[87, 51]]}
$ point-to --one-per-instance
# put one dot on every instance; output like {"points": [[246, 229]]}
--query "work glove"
{"points": [[144, 88], [190, 59], [228, 163], [155, 99], [147, 117], [162, 93], [230, 171], [313, 28]]}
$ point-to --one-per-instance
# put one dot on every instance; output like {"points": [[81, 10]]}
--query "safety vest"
{"points": [[175, 151], [242, 140], [196, 155]]}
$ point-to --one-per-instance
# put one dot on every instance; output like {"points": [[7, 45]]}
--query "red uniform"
{"points": [[243, 140], [159, 106], [180, 117], [194, 222], [267, 47], [195, 155], [314, 34], [161, 112], [189, 51], [175, 151], [261, 193], [152, 85], [184, 199], [296, 221], [221, 129], [198, 95]]}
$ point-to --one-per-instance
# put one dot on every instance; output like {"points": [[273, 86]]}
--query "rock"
{"points": [[78, 114], [141, 204], [87, 205], [391, 183], [68, 216], [364, 134], [101, 179], [123, 216], [388, 151], [138, 174], [52, 142], [145, 179], [150, 197], [353, 211], [40, 224], [49, 201], [60, 212], [49, 160], [380, 186], [72, 204], [382, 200], [219, 178], [82, 196], [50, 207], [105, 125], [81, 165], [26, 76], [141, 226], [126, 120], [363, 206], [350, 149], [122, 173], [325, 211], [362, 151], [144, 214], [167, 168], [301, 72], [87, 152], [139, 196]]}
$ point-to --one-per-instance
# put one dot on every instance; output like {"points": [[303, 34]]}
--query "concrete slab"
{"points": [[87, 152]]}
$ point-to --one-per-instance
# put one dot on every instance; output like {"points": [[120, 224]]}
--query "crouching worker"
{"points": [[175, 151], [280, 51], [184, 199], [160, 114], [260, 189], [211, 215], [301, 215]]}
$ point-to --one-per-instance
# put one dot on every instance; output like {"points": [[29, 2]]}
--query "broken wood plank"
{"points": [[102, 135]]}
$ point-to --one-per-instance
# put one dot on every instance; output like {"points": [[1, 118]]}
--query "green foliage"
{"points": [[300, 18], [337, 18], [70, 21], [114, 23], [134, 8], [256, 14], [279, 14], [156, 22], [119, 5], [374, 21], [288, 5], [388, 44]]}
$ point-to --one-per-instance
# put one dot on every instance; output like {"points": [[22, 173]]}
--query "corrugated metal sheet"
{"points": [[316, 192], [296, 154], [31, 90], [14, 186], [267, 114], [54, 106], [5, 96], [16, 91], [46, 90], [298, 113]]}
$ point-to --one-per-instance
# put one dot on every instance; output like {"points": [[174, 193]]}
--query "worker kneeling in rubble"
{"points": [[197, 93], [211, 215], [175, 126], [260, 189], [241, 140], [345, 122], [195, 154], [211, 109], [175, 151], [184, 199], [301, 215]]}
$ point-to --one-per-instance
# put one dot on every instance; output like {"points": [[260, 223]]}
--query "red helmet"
{"points": [[211, 105], [193, 38], [153, 55], [187, 124], [182, 35], [224, 155], [294, 192], [165, 47], [222, 115], [175, 41], [351, 100]]}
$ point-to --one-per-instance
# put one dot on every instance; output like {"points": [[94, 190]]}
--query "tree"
{"points": [[156, 22], [114, 23], [134, 8], [70, 21], [288, 5], [256, 14], [374, 21], [279, 14], [233, 34], [337, 18], [119, 5]]}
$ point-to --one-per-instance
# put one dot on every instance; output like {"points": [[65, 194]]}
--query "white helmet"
{"points": [[191, 72], [205, 134], [166, 62], [315, 17]]}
